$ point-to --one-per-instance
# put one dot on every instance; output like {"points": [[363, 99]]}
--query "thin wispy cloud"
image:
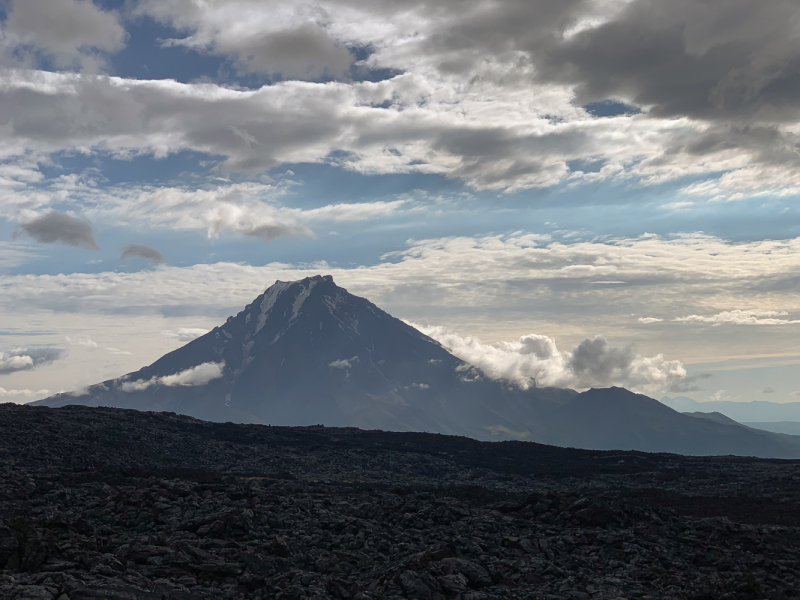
{"points": [[742, 317], [185, 334]]}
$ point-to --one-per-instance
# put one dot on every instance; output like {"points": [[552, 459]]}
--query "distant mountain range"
{"points": [[309, 352]]}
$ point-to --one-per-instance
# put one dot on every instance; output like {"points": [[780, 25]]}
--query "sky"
{"points": [[569, 192]]}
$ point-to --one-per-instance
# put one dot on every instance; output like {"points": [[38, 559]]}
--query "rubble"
{"points": [[118, 504]]}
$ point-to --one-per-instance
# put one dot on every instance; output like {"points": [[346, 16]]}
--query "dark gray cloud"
{"points": [[732, 63], [26, 359], [769, 390], [70, 32], [594, 359], [273, 231], [711, 59], [689, 384], [140, 251], [305, 52], [59, 228], [715, 60]]}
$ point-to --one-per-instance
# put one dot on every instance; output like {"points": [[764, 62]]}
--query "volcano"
{"points": [[309, 352]]}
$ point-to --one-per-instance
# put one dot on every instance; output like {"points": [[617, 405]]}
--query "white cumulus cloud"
{"points": [[26, 359], [536, 360]]}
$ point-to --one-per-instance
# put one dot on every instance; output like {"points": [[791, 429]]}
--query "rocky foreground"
{"points": [[117, 504]]}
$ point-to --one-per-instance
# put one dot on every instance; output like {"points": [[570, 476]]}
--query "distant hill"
{"points": [[616, 418], [756, 411], [787, 427], [308, 352]]}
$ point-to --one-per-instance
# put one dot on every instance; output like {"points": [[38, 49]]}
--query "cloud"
{"points": [[59, 228], [494, 286], [719, 396], [708, 60], [71, 32], [648, 320], [250, 209], [688, 384], [741, 317], [768, 390], [302, 52], [82, 341], [26, 359], [16, 254], [275, 38], [146, 252], [348, 212], [505, 94], [24, 395], [518, 135], [536, 360], [119, 352], [344, 363], [461, 276], [185, 334], [192, 377], [199, 375]]}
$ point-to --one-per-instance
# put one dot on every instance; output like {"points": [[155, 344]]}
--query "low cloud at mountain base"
{"points": [[536, 360]]}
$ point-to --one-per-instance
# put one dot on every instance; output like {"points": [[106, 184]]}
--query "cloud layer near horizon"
{"points": [[510, 273]]}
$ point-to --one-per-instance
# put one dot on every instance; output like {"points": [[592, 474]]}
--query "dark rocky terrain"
{"points": [[117, 504]]}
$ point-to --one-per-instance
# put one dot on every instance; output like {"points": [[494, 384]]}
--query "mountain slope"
{"points": [[615, 418], [309, 352]]}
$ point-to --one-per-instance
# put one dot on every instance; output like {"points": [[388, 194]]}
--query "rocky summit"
{"points": [[101, 503], [309, 352]]}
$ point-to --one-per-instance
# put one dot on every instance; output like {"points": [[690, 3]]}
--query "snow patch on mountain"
{"points": [[305, 292], [268, 301]]}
